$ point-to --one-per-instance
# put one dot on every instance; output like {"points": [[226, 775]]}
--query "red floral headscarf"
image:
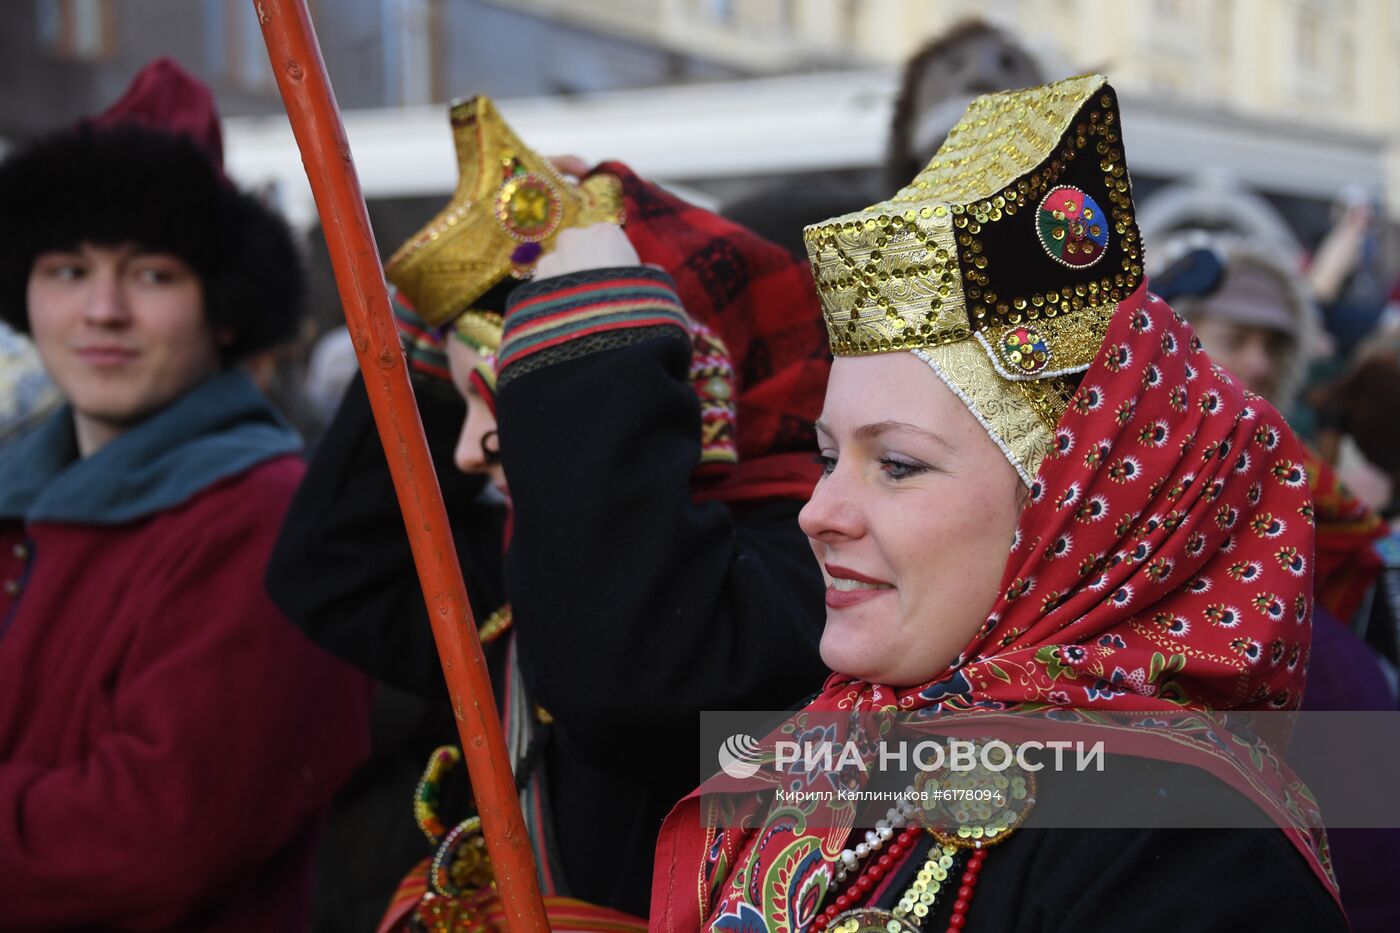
{"points": [[1163, 561]]}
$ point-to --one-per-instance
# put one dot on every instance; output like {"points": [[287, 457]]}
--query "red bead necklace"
{"points": [[873, 872], [966, 889], [876, 869]]}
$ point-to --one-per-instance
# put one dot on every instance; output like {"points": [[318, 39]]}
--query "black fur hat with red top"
{"points": [[149, 171]]}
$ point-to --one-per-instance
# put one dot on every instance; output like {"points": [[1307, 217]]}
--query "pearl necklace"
{"points": [[895, 819]]}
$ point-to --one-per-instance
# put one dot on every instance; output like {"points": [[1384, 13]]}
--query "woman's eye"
{"points": [[827, 463], [900, 469]]}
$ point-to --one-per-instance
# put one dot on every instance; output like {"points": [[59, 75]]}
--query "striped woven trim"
{"points": [[571, 308], [483, 379], [422, 345], [565, 914], [408, 322], [428, 365]]}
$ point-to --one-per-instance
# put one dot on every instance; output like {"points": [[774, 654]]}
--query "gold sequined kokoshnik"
{"points": [[1018, 238]]}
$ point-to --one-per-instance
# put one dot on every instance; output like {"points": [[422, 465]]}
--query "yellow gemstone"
{"points": [[529, 206]]}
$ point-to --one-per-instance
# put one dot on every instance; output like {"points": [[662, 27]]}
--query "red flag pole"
{"points": [[315, 118]]}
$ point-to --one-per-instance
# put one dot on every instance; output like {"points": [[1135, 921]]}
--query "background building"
{"points": [[1294, 98]]}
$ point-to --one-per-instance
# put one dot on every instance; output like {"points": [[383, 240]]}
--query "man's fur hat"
{"points": [[150, 171]]}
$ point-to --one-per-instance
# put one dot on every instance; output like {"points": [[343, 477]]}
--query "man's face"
{"points": [[122, 333], [1257, 355]]}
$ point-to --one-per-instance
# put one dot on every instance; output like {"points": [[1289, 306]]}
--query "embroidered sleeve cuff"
{"points": [[569, 316], [422, 345]]}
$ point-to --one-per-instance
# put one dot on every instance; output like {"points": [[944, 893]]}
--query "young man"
{"points": [[168, 742]]}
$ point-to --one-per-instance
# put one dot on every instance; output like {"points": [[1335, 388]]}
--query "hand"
{"points": [[599, 246], [570, 165]]}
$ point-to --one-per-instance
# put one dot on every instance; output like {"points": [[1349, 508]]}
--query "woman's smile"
{"points": [[846, 587]]}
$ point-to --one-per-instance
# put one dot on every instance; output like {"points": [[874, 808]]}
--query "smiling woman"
{"points": [[1039, 493], [908, 473]]}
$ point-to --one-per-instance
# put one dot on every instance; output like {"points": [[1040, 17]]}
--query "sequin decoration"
{"points": [[475, 241], [923, 895], [461, 862], [940, 261], [529, 208], [970, 809], [871, 920], [1072, 227], [1025, 351]]}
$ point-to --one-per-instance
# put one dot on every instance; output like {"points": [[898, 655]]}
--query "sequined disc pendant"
{"points": [[870, 920]]}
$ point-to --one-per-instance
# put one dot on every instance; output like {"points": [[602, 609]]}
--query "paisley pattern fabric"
{"points": [[1163, 562]]}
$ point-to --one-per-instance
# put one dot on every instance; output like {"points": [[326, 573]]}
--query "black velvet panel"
{"points": [[1019, 268]]}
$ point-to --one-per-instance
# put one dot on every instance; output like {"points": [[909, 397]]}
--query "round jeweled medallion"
{"points": [[1025, 351], [529, 208], [971, 808], [1072, 227]]}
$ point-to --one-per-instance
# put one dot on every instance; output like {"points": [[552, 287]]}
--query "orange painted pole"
{"points": [[315, 118]]}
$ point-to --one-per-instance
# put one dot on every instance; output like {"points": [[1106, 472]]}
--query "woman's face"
{"points": [[912, 520], [478, 449]]}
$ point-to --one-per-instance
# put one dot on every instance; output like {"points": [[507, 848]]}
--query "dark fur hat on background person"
{"points": [[120, 179], [970, 58]]}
